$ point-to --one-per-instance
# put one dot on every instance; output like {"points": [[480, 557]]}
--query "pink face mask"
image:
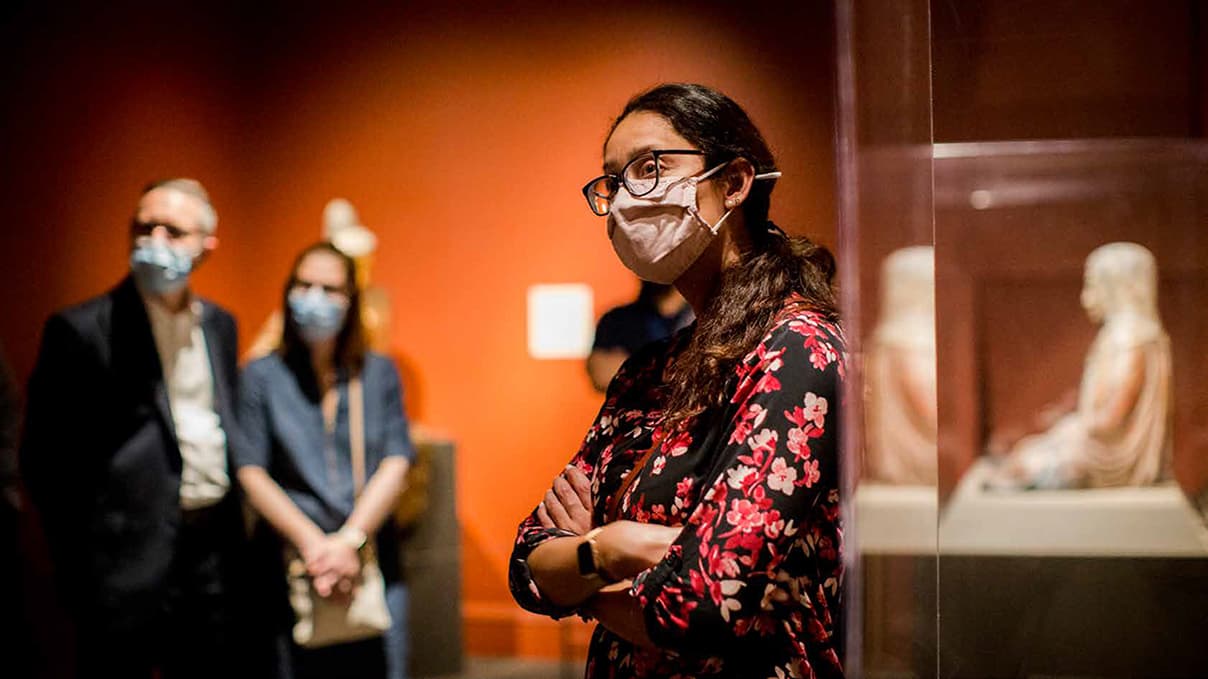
{"points": [[659, 235]]}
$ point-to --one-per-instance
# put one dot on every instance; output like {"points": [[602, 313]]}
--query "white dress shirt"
{"points": [[186, 365]]}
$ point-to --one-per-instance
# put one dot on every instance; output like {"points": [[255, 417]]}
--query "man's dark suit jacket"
{"points": [[100, 457]]}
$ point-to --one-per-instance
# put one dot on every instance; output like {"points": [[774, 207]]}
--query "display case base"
{"points": [[896, 519], [1153, 521]]}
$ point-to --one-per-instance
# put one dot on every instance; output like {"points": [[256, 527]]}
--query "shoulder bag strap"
{"points": [[356, 433]]}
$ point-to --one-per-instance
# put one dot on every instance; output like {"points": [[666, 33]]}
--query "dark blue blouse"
{"points": [[283, 432]]}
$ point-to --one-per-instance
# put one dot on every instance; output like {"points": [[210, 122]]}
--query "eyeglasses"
{"points": [[304, 286], [139, 229], [640, 176]]}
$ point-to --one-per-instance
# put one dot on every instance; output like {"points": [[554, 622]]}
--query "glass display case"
{"points": [[1071, 295], [1028, 320], [887, 282]]}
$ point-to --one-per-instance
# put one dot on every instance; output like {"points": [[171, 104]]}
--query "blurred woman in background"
{"points": [[298, 465]]}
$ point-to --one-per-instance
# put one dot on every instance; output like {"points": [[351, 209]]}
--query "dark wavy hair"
{"points": [[775, 267], [350, 342]]}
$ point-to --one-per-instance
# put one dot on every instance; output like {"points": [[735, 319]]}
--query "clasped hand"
{"points": [[567, 504], [333, 565], [626, 548]]}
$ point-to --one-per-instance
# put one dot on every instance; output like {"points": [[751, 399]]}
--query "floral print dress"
{"points": [[752, 586]]}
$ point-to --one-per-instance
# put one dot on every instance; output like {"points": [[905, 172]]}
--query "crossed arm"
{"points": [[624, 549]]}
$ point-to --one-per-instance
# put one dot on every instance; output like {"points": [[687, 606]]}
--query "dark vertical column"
{"points": [[432, 568]]}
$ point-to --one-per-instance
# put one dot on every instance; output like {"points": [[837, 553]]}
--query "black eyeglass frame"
{"points": [[329, 290], [174, 232], [616, 181]]}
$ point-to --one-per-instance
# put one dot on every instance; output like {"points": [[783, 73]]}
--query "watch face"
{"points": [[587, 562]]}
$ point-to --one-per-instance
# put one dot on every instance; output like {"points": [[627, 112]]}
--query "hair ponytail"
{"points": [[751, 295]]}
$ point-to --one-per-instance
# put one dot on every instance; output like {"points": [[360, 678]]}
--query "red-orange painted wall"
{"points": [[461, 135]]}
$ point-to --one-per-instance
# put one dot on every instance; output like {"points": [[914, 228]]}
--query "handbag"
{"points": [[322, 621]]}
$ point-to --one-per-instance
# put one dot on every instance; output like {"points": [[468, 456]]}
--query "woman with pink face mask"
{"points": [[699, 521]]}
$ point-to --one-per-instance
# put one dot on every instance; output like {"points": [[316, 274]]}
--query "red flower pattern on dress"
{"points": [[755, 487], [745, 516], [677, 445], [751, 417], [812, 474]]}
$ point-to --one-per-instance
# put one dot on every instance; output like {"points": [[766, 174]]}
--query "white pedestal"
{"points": [[1154, 521], [896, 519]]}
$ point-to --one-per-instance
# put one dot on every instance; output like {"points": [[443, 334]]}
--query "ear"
{"points": [[739, 175], [207, 246]]}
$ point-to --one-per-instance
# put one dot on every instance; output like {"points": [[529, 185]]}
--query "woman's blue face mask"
{"points": [[318, 314]]}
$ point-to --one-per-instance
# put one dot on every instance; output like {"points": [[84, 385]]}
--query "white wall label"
{"points": [[560, 322]]}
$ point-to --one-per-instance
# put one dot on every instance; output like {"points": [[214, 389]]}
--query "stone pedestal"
{"points": [[1153, 521], [1077, 583], [895, 532]]}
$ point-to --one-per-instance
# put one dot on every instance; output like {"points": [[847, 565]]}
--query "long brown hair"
{"points": [[350, 342], [753, 291]]}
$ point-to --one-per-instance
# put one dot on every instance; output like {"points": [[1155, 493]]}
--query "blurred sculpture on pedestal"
{"points": [[1120, 433], [343, 229], [901, 417]]}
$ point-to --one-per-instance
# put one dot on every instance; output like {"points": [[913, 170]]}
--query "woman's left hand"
{"points": [[340, 590], [335, 561], [567, 504]]}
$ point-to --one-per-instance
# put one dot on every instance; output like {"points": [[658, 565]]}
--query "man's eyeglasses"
{"points": [[640, 176], [139, 229]]}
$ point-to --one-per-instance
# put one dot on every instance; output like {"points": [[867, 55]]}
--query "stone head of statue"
{"points": [[1120, 278], [908, 283], [342, 228]]}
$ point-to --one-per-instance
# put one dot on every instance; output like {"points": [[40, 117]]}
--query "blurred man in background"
{"points": [[129, 414]]}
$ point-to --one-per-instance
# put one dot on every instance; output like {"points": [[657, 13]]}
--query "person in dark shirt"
{"points": [[658, 312]]}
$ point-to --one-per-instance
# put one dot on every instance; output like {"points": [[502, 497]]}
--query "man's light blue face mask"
{"points": [[158, 267]]}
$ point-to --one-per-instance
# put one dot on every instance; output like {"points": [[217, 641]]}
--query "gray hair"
{"points": [[190, 187]]}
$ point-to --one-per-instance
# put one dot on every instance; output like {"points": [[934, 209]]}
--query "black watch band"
{"points": [[586, 553]]}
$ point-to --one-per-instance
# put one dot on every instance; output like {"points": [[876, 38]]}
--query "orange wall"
{"points": [[462, 136]]}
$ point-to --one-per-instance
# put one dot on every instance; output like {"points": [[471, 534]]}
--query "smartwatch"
{"points": [[589, 562]]}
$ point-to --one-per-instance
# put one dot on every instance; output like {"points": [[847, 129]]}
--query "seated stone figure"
{"points": [[901, 398], [1120, 432]]}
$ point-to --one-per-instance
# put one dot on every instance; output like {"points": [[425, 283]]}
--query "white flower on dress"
{"points": [[763, 441], [782, 477], [737, 478], [659, 463], [729, 588], [815, 409]]}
